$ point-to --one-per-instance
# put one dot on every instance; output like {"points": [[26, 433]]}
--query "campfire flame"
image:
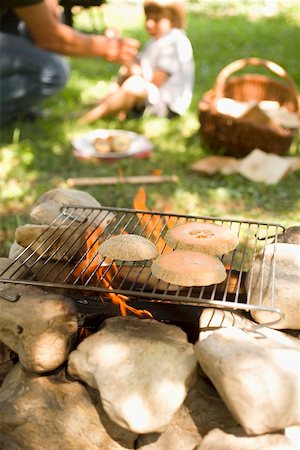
{"points": [[101, 271], [153, 225], [94, 267]]}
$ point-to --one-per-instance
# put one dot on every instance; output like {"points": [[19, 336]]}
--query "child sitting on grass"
{"points": [[162, 79]]}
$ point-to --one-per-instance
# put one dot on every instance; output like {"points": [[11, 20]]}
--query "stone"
{"points": [[280, 262], [143, 370], [290, 236], [56, 242], [48, 208], [122, 437], [10, 270], [256, 374], [51, 412], [40, 327], [293, 433], [218, 440], [8, 359], [212, 319], [15, 250], [50, 272], [202, 410]]}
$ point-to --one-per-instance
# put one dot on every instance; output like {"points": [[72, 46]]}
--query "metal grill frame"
{"points": [[256, 235]]}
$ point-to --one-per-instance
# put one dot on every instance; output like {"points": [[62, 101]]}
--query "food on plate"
{"points": [[187, 268], [102, 145], [128, 247], [202, 237], [118, 143]]}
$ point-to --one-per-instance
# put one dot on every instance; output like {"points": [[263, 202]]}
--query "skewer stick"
{"points": [[143, 179]]}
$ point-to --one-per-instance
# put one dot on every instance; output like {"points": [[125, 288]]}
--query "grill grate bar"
{"points": [[243, 259], [65, 256]]}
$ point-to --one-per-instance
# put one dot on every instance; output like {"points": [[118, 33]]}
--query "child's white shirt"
{"points": [[171, 53]]}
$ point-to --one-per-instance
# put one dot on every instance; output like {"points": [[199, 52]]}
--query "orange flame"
{"points": [[153, 225], [94, 265]]}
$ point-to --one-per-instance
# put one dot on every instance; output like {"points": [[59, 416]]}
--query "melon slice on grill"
{"points": [[187, 268], [203, 237], [128, 247]]}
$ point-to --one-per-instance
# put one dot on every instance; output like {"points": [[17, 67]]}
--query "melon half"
{"points": [[202, 237], [187, 268]]}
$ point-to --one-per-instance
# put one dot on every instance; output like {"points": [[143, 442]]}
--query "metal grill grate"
{"points": [[53, 259]]}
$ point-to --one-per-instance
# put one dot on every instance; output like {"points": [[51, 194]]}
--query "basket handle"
{"points": [[241, 63]]}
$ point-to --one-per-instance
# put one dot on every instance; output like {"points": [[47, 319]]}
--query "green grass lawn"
{"points": [[37, 157]]}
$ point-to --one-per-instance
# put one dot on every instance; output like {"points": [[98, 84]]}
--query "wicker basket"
{"points": [[239, 136]]}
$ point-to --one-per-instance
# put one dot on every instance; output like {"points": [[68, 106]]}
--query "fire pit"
{"points": [[60, 259], [75, 374]]}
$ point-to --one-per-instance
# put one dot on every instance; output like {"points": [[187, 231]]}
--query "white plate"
{"points": [[84, 148]]}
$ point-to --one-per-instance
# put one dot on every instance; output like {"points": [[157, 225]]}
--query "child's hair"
{"points": [[175, 10]]}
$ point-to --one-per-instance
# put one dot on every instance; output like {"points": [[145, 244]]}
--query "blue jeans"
{"points": [[27, 75]]}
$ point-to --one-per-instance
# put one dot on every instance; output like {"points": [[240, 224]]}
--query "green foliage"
{"points": [[36, 157], [252, 7]]}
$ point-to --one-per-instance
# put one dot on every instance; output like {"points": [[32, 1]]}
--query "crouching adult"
{"points": [[33, 40]]}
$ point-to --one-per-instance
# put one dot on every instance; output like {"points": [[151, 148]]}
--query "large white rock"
{"points": [[52, 412], [256, 374], [10, 270], [293, 433], [212, 319], [15, 250], [218, 440], [280, 261], [57, 243], [47, 207], [202, 410], [291, 235], [40, 327], [142, 369], [7, 359]]}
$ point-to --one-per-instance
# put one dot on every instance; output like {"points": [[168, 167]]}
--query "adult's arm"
{"points": [[49, 33]]}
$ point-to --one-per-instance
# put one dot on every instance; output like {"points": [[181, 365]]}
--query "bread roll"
{"points": [[128, 247], [187, 268], [120, 143], [202, 237], [102, 145]]}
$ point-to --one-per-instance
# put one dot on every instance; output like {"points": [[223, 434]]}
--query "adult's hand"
{"points": [[49, 33], [122, 50]]}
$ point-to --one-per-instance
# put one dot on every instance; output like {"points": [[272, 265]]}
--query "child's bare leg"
{"points": [[132, 91]]}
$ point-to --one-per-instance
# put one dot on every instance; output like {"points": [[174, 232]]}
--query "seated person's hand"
{"points": [[127, 71]]}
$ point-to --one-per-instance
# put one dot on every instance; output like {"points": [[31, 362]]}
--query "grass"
{"points": [[37, 157]]}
